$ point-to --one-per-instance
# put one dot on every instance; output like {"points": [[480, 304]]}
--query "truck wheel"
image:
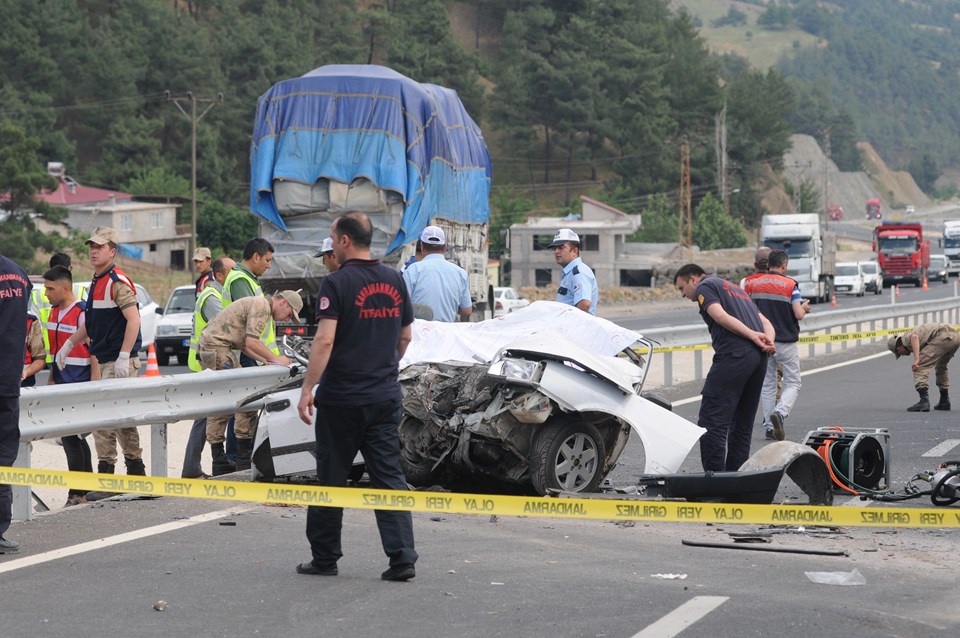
{"points": [[568, 455], [182, 358], [163, 359], [414, 436]]}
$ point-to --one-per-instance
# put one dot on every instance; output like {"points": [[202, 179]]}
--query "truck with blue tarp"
{"points": [[364, 137]]}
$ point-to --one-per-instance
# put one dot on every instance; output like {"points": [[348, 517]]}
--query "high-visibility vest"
{"points": [[233, 276], [193, 362], [41, 307], [269, 338], [61, 327]]}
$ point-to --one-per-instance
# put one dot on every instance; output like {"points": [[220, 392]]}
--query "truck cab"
{"points": [[902, 252], [951, 245]]}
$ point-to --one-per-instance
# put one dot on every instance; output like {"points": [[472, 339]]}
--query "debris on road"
{"points": [[837, 578], [669, 576], [761, 548], [160, 605]]}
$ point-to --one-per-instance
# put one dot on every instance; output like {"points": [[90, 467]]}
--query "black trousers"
{"points": [[373, 430], [731, 395], [9, 445], [78, 458]]}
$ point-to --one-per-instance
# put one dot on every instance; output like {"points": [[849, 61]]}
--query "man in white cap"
{"points": [[203, 264], [433, 281], [326, 254], [578, 285]]}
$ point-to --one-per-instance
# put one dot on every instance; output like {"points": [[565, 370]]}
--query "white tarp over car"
{"points": [[435, 341]]}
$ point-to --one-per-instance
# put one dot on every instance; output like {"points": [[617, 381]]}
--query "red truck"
{"points": [[902, 252], [873, 209]]}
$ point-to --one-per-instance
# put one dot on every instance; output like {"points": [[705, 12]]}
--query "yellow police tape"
{"points": [[452, 503], [806, 339]]}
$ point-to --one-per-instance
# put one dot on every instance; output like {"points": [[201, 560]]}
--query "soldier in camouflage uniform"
{"points": [[35, 360], [932, 345], [242, 326]]}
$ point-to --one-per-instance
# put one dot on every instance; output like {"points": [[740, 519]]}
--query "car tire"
{"points": [[417, 468], [182, 358], [163, 359], [567, 455]]}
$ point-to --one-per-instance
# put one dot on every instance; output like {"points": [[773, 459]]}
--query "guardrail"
{"points": [[60, 410], [687, 365]]}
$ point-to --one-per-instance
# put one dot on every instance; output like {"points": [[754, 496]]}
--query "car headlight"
{"points": [[516, 370], [166, 331]]}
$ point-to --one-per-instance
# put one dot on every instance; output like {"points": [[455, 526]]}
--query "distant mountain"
{"points": [[893, 65]]}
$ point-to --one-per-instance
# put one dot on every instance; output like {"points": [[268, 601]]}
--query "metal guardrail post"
{"points": [[158, 449], [22, 508], [668, 369], [698, 364]]}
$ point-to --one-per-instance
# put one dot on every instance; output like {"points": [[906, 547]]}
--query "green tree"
{"points": [[506, 208], [713, 229], [159, 181], [225, 229], [925, 172], [661, 221], [21, 178]]}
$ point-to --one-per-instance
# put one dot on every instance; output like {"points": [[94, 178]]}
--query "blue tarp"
{"points": [[342, 122]]}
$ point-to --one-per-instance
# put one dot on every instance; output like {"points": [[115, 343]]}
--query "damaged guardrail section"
{"points": [[486, 504]]}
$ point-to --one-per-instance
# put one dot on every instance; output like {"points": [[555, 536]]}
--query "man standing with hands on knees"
{"points": [[364, 315], [113, 325], [742, 337]]}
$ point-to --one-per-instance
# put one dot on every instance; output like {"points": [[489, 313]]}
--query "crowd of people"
{"points": [[350, 393]]}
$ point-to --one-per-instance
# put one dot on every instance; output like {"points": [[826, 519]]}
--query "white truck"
{"points": [[951, 245], [811, 249]]}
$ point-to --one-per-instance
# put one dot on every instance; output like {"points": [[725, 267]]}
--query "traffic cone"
{"points": [[153, 370], [898, 289], [833, 300], [925, 281]]}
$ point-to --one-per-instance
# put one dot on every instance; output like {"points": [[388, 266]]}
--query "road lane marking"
{"points": [[100, 543], [942, 449], [804, 374], [682, 617]]}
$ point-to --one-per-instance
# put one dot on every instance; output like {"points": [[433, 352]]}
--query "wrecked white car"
{"points": [[546, 415], [511, 401]]}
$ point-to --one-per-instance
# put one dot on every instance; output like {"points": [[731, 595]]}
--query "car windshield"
{"points": [[846, 271], [182, 300], [937, 262], [793, 247], [951, 242], [869, 269], [899, 245]]}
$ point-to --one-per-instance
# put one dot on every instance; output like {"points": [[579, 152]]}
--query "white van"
{"points": [[872, 276], [849, 279]]}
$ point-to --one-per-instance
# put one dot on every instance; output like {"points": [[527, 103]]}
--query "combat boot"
{"points": [[244, 450], [104, 468], [944, 400], [221, 464], [923, 405], [135, 467]]}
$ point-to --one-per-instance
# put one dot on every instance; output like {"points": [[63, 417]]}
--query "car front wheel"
{"points": [[567, 455]]}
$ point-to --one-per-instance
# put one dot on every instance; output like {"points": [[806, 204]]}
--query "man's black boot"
{"points": [[244, 450], [135, 467], [944, 400], [104, 468], [923, 405], [221, 464]]}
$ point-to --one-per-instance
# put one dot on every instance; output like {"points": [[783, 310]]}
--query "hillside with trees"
{"points": [[577, 96]]}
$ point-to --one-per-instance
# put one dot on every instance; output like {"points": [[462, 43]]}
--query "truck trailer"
{"points": [[951, 245], [366, 138]]}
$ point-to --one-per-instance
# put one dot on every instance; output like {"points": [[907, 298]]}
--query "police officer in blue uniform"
{"points": [[741, 337], [578, 285], [14, 298]]}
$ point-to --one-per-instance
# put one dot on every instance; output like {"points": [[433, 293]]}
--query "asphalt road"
{"points": [[504, 577]]}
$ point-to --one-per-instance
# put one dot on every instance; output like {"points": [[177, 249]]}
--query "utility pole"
{"points": [[826, 177], [194, 120], [686, 217], [721, 151]]}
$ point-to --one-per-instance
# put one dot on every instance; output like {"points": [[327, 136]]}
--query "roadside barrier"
{"points": [[487, 504], [806, 339]]}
